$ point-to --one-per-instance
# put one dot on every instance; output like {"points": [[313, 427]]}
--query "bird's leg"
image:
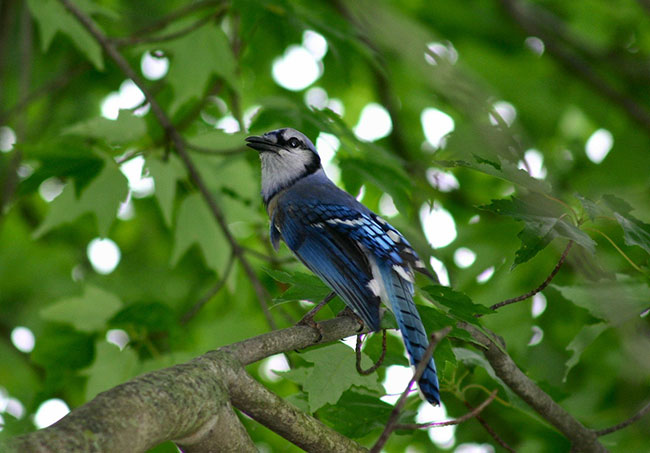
{"points": [[308, 319], [347, 311]]}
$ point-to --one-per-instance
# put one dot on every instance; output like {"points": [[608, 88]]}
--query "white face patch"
{"points": [[279, 169], [394, 236], [404, 273]]}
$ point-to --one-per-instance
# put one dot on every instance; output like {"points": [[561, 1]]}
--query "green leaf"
{"points": [[60, 347], [333, 373], [198, 56], [385, 177], [52, 17], [394, 349], [196, 225], [471, 358], [303, 286], [356, 415], [296, 375], [435, 319], [504, 169], [166, 176], [534, 237], [219, 140], [590, 207], [635, 232], [614, 302], [582, 340], [63, 158], [152, 316], [111, 367], [460, 305], [88, 312], [102, 197], [543, 222], [125, 129]]}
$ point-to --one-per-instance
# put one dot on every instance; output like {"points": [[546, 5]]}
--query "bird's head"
{"points": [[287, 156]]}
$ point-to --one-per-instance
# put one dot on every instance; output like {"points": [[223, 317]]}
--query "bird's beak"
{"points": [[261, 144]]}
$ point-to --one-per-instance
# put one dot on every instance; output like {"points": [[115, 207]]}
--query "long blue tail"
{"points": [[400, 294]]}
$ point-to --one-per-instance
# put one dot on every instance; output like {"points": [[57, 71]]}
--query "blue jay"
{"points": [[355, 252]]}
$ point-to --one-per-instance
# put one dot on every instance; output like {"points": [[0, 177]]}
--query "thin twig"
{"points": [[177, 14], [541, 287], [636, 417], [220, 152], [308, 319], [577, 65], [457, 421], [379, 361], [490, 430], [210, 294], [53, 85], [397, 410], [179, 144], [131, 40], [270, 258]]}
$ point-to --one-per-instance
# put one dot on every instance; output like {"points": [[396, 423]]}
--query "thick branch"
{"points": [[270, 410], [583, 439], [180, 403]]}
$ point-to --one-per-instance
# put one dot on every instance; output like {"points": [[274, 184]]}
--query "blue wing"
{"points": [[359, 255], [336, 258]]}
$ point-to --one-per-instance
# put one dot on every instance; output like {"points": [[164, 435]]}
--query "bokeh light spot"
{"points": [[506, 111], [154, 67], [270, 365], [539, 305], [374, 123], [387, 206], [50, 412], [464, 257], [104, 255], [599, 145], [537, 336], [436, 125], [444, 181], [296, 69], [438, 224], [23, 339], [485, 275], [7, 139]]}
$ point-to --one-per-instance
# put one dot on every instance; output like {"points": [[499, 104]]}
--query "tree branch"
{"points": [[391, 425], [181, 403], [490, 430], [636, 417], [583, 439], [214, 290], [179, 144], [457, 421], [135, 39], [540, 288], [576, 65]]}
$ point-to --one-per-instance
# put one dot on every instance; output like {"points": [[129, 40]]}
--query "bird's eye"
{"points": [[294, 142]]}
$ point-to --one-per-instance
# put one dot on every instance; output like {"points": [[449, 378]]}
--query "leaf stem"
{"points": [[618, 249]]}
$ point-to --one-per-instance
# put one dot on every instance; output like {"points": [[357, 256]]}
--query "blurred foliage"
{"points": [[462, 58]]}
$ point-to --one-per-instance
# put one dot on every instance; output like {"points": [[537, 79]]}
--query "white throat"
{"points": [[282, 169]]}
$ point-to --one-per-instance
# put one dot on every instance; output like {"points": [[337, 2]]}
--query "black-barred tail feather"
{"points": [[399, 291]]}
